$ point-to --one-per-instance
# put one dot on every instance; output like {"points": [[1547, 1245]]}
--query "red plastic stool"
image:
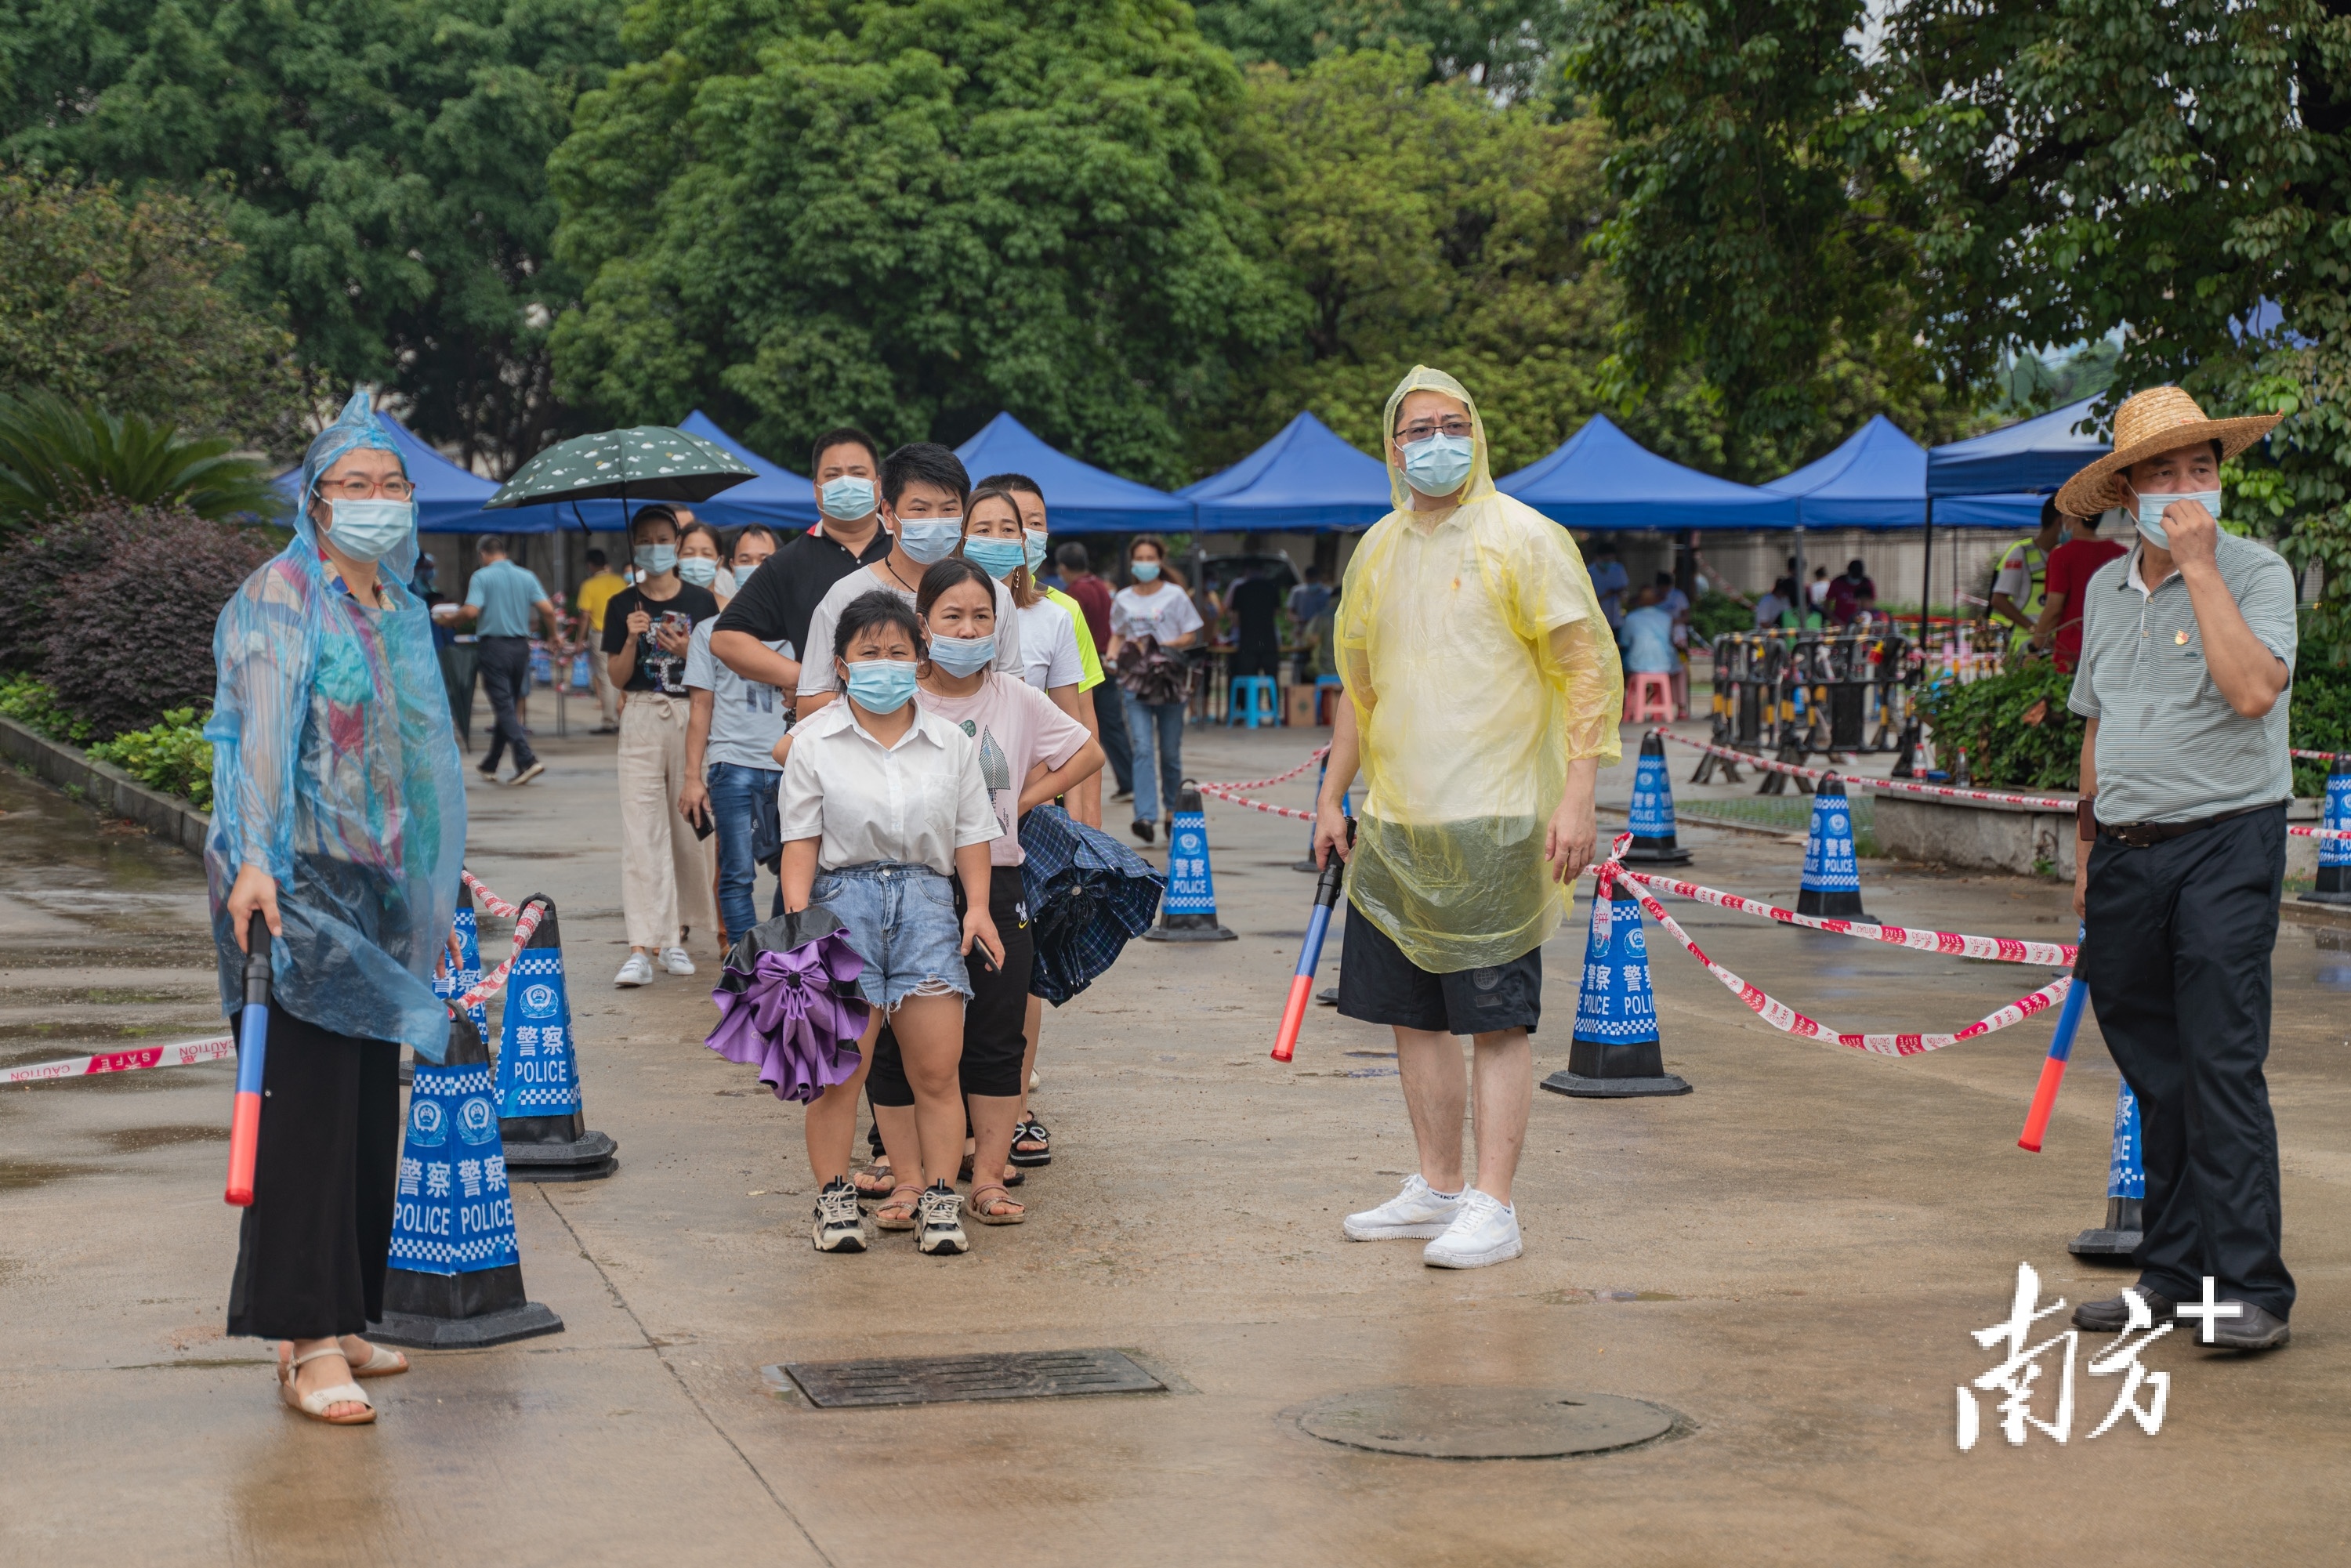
{"points": [[1648, 697]]}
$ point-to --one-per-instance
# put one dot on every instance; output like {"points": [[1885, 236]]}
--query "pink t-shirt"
{"points": [[1017, 726]]}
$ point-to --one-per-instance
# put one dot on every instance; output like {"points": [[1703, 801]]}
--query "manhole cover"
{"points": [[1485, 1423], [940, 1379]]}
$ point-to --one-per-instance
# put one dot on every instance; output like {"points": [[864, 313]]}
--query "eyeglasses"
{"points": [[356, 489], [1452, 424]]}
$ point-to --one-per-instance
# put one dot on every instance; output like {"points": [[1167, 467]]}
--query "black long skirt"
{"points": [[311, 1254]]}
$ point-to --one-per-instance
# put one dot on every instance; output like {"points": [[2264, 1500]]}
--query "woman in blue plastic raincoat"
{"points": [[1482, 689], [338, 817]]}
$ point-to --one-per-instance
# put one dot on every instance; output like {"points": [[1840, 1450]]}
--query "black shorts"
{"points": [[994, 1020], [1379, 985]]}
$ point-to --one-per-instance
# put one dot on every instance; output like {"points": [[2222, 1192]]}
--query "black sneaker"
{"points": [[1143, 830], [940, 1232], [2112, 1315], [840, 1225]]}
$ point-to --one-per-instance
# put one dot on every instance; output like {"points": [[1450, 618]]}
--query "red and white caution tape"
{"points": [[1996, 949], [1897, 786], [2319, 755], [491, 983], [1222, 793], [490, 901], [1317, 754], [179, 1053], [1788, 1021]]}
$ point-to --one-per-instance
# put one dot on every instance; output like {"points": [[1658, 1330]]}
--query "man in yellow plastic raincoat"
{"points": [[1483, 690]]}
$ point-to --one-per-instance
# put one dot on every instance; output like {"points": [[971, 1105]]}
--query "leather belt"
{"points": [[2146, 835]]}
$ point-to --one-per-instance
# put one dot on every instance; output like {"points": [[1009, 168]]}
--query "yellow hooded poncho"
{"points": [[1479, 665]]}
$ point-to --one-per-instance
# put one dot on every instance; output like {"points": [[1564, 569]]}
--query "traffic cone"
{"points": [[1188, 913], [539, 1109], [1831, 888], [455, 1279], [1615, 1053], [2125, 1188], [2333, 884], [469, 971], [1652, 809]]}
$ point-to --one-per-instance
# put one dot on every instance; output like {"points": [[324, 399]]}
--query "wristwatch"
{"points": [[2085, 818]]}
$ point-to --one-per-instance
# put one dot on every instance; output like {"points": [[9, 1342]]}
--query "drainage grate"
{"points": [[941, 1379]]}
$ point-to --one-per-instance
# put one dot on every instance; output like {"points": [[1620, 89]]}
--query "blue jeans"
{"points": [[1166, 721], [739, 796]]}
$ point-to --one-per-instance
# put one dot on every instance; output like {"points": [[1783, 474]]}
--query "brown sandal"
{"points": [[986, 1209], [873, 1183], [906, 1218]]}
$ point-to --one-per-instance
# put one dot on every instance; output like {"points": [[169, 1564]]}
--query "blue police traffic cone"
{"points": [[539, 1110], [468, 974], [2334, 883], [2125, 1188], [1653, 810], [1615, 1053], [1831, 888], [1188, 913], [455, 1279]]}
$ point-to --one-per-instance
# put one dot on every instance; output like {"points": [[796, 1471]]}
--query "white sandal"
{"points": [[316, 1405], [381, 1363]]}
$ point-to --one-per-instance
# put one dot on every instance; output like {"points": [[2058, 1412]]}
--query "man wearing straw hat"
{"points": [[2187, 647]]}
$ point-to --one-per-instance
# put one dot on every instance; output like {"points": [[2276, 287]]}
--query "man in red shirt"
{"points": [[2063, 582], [1093, 596]]}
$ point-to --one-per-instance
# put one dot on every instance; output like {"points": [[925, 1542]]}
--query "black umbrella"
{"points": [[647, 462]]}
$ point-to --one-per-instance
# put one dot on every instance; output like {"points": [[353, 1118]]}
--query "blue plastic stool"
{"points": [[1241, 701], [1326, 687]]}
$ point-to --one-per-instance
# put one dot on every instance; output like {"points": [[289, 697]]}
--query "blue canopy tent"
{"points": [[448, 498], [777, 497], [1079, 497], [1306, 480], [1602, 479], [1876, 478], [2033, 454]]}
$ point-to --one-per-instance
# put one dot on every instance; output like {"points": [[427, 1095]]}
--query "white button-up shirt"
{"points": [[914, 803]]}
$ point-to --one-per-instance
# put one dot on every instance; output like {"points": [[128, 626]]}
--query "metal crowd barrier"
{"points": [[1791, 694]]}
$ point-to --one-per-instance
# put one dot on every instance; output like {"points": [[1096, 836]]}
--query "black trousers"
{"points": [[311, 1254], [506, 678], [995, 1038], [1110, 715], [2177, 961]]}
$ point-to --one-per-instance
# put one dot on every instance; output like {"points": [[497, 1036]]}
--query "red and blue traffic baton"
{"points": [[252, 1046], [2053, 1070], [1310, 952]]}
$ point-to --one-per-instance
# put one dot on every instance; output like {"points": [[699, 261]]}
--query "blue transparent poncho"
{"points": [[335, 768]]}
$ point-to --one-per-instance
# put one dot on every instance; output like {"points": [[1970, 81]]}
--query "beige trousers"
{"points": [[665, 871], [600, 679]]}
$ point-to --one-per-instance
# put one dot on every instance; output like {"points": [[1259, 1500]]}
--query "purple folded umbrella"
{"points": [[786, 1017]]}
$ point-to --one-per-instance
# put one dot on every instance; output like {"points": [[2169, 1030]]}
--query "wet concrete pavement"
{"points": [[1790, 1259]]}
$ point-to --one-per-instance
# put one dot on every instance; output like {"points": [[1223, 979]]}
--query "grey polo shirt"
{"points": [[2170, 749]]}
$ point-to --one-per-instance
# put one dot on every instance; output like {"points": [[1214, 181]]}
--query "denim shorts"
{"points": [[901, 921]]}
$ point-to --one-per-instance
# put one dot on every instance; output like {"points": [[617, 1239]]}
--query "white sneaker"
{"points": [[940, 1231], [677, 961], [840, 1224], [1417, 1211], [637, 971], [1484, 1232]]}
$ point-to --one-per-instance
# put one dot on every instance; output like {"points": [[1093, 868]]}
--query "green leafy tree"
{"points": [[1758, 234], [911, 215], [2106, 165], [383, 163], [1419, 223], [122, 302], [1505, 46]]}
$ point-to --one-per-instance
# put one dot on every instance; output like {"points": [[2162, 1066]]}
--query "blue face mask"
{"points": [[1145, 571], [698, 572], [654, 560], [2150, 513], [880, 685], [845, 500], [929, 539], [370, 530], [1439, 466], [963, 655], [1036, 552], [998, 558]]}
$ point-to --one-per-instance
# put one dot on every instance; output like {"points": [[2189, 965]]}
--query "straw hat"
{"points": [[2149, 423]]}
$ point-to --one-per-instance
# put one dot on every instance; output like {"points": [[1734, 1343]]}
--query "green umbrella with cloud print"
{"points": [[642, 463]]}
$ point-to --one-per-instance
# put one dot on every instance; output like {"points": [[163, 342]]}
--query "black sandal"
{"points": [[1031, 1132]]}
